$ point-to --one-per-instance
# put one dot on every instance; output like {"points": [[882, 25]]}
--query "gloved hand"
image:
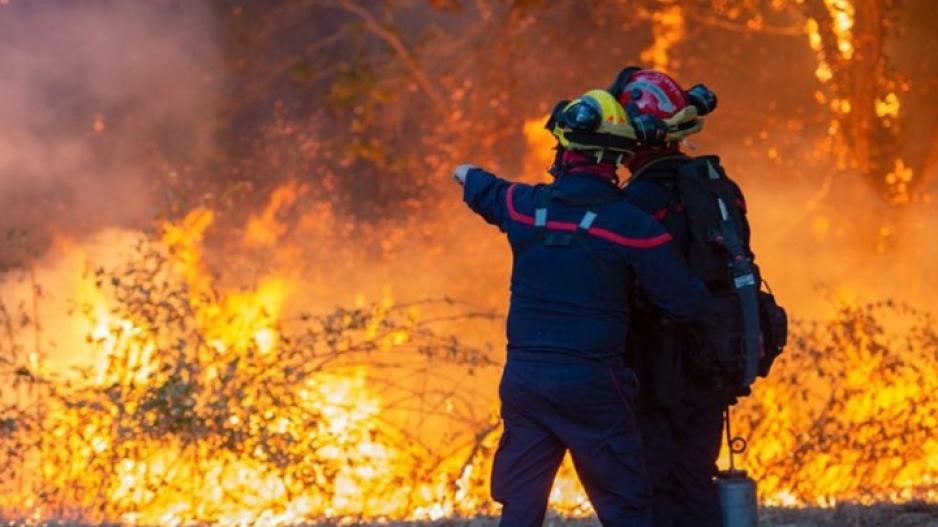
{"points": [[459, 174]]}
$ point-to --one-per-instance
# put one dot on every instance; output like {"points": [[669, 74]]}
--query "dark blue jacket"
{"points": [[571, 287]]}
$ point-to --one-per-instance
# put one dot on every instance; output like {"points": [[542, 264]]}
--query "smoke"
{"points": [[98, 100], [824, 238]]}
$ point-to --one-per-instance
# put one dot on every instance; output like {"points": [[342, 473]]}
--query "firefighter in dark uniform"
{"points": [[579, 253], [685, 388]]}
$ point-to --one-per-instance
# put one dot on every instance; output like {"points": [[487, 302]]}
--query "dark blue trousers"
{"points": [[681, 446], [548, 408]]}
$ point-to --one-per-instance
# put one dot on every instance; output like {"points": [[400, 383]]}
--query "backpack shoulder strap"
{"points": [[705, 175], [542, 198], [705, 167]]}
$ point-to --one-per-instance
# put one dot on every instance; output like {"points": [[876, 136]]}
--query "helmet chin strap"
{"points": [[600, 154], [556, 169], [620, 158], [619, 183]]}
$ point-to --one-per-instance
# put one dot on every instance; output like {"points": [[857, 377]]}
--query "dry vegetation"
{"points": [[203, 395], [849, 408]]}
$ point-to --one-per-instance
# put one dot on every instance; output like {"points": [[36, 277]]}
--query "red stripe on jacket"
{"points": [[635, 243]]}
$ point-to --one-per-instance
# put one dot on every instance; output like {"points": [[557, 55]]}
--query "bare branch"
{"points": [[394, 41]]}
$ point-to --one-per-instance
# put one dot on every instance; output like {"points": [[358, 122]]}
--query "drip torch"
{"points": [[737, 490]]}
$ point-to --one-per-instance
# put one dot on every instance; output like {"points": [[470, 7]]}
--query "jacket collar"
{"points": [[582, 185], [660, 164]]}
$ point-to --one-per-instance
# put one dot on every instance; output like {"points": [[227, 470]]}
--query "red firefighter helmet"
{"points": [[658, 108], [654, 93]]}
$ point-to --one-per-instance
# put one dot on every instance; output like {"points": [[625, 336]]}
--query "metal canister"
{"points": [[738, 499]]}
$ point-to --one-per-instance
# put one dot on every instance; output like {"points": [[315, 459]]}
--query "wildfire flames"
{"points": [[206, 404], [201, 371]]}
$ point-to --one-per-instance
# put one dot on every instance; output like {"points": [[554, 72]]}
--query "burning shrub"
{"points": [[213, 405], [849, 413], [205, 406]]}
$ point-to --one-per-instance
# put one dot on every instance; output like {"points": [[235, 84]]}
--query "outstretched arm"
{"points": [[483, 192]]}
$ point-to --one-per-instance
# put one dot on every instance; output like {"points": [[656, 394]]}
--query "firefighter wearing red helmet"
{"points": [[689, 378], [661, 112]]}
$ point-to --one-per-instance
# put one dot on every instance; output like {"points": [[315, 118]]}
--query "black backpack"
{"points": [[743, 329]]}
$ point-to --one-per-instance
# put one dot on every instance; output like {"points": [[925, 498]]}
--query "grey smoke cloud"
{"points": [[91, 93]]}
